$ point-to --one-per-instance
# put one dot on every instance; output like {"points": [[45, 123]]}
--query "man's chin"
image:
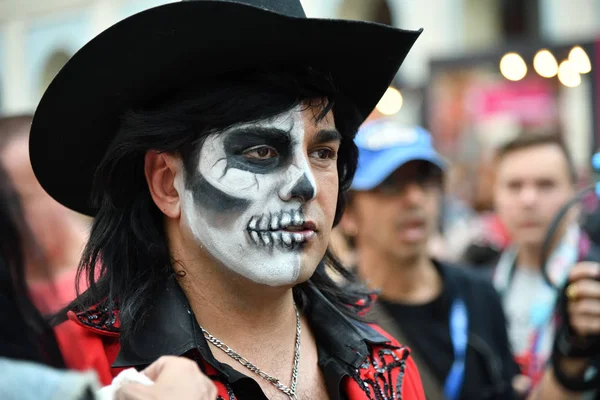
{"points": [[530, 237], [305, 275], [285, 285], [533, 242], [410, 249]]}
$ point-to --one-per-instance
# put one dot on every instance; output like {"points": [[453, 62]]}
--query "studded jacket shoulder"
{"points": [[90, 340]]}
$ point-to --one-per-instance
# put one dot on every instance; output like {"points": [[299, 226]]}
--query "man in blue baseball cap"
{"points": [[451, 318]]}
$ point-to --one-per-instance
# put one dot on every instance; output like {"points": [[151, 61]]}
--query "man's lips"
{"points": [[529, 224], [286, 229], [412, 223], [305, 228], [412, 229]]}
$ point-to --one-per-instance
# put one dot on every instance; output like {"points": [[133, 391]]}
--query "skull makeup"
{"points": [[246, 201]]}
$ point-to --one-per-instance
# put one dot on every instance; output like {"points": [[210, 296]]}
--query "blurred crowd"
{"points": [[399, 221]]}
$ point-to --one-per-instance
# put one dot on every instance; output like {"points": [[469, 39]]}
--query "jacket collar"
{"points": [[172, 329]]}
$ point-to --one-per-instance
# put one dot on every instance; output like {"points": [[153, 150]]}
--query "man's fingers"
{"points": [[583, 294], [586, 326], [153, 370], [585, 307], [585, 270], [583, 289], [210, 389], [134, 391], [171, 367], [174, 377], [521, 384]]}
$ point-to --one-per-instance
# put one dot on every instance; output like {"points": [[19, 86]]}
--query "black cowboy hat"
{"points": [[159, 49]]}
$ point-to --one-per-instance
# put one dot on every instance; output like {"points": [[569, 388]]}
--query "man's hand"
{"points": [[583, 308], [583, 299], [174, 378]]}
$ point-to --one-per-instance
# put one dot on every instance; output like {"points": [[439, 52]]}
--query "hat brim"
{"points": [[370, 176], [164, 48]]}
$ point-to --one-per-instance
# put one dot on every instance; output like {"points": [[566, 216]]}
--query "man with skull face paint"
{"points": [[252, 186], [215, 172]]}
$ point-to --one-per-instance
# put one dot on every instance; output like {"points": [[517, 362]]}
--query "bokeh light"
{"points": [[391, 102], [580, 60], [568, 74], [545, 64], [513, 67]]}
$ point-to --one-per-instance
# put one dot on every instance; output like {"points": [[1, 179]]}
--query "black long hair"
{"points": [[25, 334], [127, 241]]}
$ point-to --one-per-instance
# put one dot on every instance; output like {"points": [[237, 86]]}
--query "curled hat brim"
{"points": [[164, 48]]}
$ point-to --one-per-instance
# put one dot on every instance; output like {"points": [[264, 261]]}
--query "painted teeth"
{"points": [[297, 218], [267, 230], [274, 223], [287, 238], [252, 224], [266, 238], [263, 224], [286, 219], [276, 238]]}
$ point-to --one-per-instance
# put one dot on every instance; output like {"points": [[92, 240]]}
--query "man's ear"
{"points": [[161, 170], [349, 224]]}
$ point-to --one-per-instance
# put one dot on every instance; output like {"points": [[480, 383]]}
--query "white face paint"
{"points": [[244, 202]]}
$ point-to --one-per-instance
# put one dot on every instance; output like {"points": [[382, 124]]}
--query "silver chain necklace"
{"points": [[289, 391]]}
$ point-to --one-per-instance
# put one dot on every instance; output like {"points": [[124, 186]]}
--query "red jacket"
{"points": [[387, 371]]}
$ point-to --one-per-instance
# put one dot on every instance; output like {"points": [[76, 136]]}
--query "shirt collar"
{"points": [[172, 329]]}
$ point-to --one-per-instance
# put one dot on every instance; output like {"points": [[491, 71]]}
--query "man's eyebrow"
{"points": [[260, 131], [327, 135]]}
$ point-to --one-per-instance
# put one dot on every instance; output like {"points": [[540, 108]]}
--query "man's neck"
{"points": [[408, 280], [239, 305], [528, 257], [236, 311], [256, 321]]}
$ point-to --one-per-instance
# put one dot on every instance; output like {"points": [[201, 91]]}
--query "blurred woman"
{"points": [[31, 364]]}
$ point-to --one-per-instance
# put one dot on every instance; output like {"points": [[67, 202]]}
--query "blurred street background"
{"points": [[452, 82]]}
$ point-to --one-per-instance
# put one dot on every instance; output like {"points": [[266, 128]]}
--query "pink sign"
{"points": [[530, 101]]}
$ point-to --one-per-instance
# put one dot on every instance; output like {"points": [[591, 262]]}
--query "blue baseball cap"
{"points": [[384, 145]]}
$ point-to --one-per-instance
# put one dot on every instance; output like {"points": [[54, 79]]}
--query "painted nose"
{"points": [[302, 188]]}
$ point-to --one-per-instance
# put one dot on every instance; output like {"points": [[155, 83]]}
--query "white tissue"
{"points": [[130, 375]]}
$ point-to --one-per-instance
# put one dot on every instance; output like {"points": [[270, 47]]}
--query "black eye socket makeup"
{"points": [[239, 142]]}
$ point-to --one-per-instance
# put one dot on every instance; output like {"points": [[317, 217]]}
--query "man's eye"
{"points": [[546, 184], [260, 153], [514, 186], [323, 154]]}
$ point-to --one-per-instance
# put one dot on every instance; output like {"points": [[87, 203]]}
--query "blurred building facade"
{"points": [[38, 37], [466, 26]]}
